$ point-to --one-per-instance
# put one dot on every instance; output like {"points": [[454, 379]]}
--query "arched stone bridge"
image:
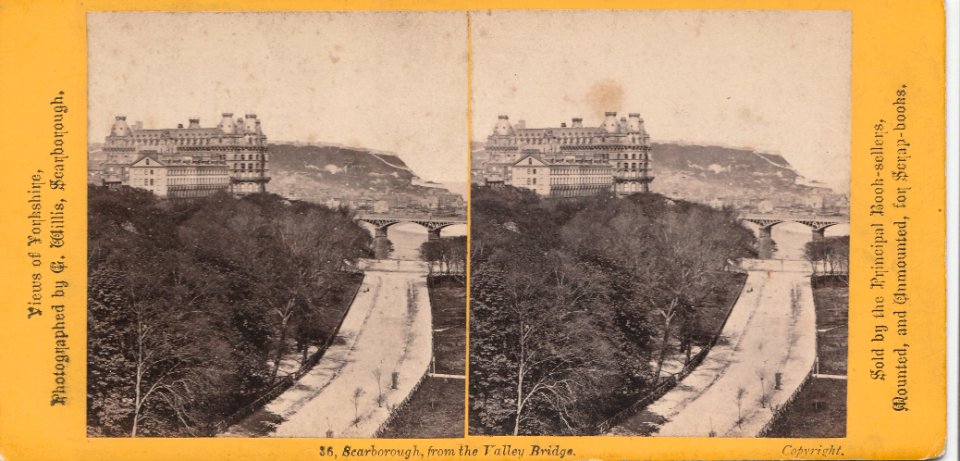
{"points": [[434, 225], [818, 224]]}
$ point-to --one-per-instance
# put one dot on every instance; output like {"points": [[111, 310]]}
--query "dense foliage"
{"points": [[576, 304], [190, 301], [829, 256], [446, 256]]}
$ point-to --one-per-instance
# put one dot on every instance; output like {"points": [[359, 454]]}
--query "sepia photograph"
{"points": [[660, 223], [277, 224]]}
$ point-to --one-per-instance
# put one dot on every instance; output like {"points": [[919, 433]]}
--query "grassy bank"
{"points": [[434, 411], [830, 297], [819, 410], [448, 304], [713, 312]]}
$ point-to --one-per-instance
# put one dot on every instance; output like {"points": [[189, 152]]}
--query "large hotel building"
{"points": [[188, 161], [570, 161]]}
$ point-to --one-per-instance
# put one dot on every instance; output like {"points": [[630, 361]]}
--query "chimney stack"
{"points": [[577, 122], [120, 127], [194, 122], [250, 123], [635, 122], [610, 124], [503, 127], [226, 124]]}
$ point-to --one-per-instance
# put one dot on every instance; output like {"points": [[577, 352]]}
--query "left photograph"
{"points": [[277, 224]]}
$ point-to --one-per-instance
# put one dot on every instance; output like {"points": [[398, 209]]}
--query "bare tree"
{"points": [[763, 389], [162, 356], [378, 374], [740, 393], [357, 393]]}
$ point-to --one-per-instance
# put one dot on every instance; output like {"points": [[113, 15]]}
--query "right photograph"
{"points": [[659, 223]]}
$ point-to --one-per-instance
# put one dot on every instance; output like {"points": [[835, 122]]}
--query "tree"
{"points": [[446, 256], [829, 256], [378, 376], [532, 370], [189, 299], [430, 253], [570, 299], [163, 372], [357, 393]]}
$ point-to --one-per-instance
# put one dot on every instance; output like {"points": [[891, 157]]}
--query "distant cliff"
{"points": [[339, 166], [736, 176], [323, 172]]}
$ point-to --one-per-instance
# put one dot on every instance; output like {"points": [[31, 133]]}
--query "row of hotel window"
{"points": [[152, 141], [244, 157], [563, 140], [206, 171], [575, 180], [191, 181], [193, 171]]}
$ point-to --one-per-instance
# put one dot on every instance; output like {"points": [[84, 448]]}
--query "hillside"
{"points": [[738, 177], [353, 177], [335, 167]]}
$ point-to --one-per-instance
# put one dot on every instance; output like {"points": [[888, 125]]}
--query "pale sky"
{"points": [[776, 81], [389, 81]]}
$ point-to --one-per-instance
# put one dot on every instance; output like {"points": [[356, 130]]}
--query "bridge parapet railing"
{"points": [[411, 217]]}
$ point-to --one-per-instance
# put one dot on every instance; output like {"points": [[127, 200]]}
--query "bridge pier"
{"points": [[766, 245], [818, 234], [433, 234], [817, 226], [381, 246]]}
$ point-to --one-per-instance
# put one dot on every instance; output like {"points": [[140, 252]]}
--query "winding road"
{"points": [[350, 392], [771, 329]]}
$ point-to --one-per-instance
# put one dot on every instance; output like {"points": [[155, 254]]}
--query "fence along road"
{"points": [[771, 329], [381, 331]]}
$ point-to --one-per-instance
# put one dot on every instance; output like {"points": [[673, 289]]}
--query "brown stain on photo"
{"points": [[605, 95], [335, 53]]}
